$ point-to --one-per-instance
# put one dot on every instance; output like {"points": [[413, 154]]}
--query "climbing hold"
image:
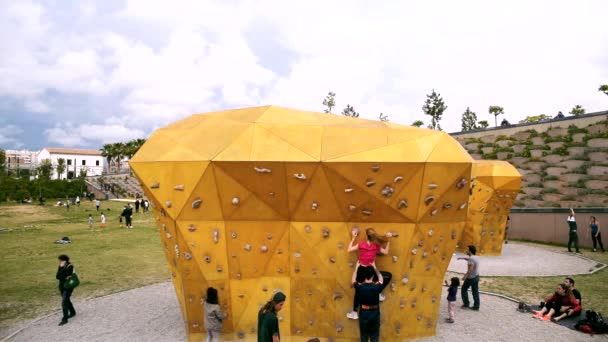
{"points": [[340, 245], [433, 186], [337, 295], [387, 191], [435, 249], [269, 236], [238, 276], [462, 206], [264, 248], [192, 228], [434, 212], [339, 328], [197, 203], [168, 235], [216, 235], [187, 256], [447, 205], [236, 201], [168, 204], [307, 228], [233, 235], [461, 183], [370, 182], [265, 289], [402, 204], [429, 199], [453, 235], [323, 304], [423, 289], [164, 227], [179, 187], [405, 280], [279, 269], [176, 251], [207, 259], [425, 254], [297, 269], [271, 194], [314, 271], [325, 232], [419, 317], [414, 251], [332, 260], [367, 212], [375, 168], [297, 254], [219, 269], [348, 190], [413, 304], [430, 233], [402, 302], [247, 247], [300, 176], [434, 299], [262, 170], [314, 205], [352, 207], [395, 258], [397, 179], [420, 243], [155, 185]]}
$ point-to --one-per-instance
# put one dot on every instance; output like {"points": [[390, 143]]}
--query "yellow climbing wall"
{"points": [[494, 187], [256, 200]]}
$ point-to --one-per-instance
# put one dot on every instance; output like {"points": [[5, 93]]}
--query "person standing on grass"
{"points": [[90, 221], [214, 316], [596, 235], [97, 204], [471, 279], [268, 322], [573, 235], [137, 206], [103, 221], [65, 270], [128, 215], [452, 292]]}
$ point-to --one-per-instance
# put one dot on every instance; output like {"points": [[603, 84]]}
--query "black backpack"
{"points": [[593, 323]]}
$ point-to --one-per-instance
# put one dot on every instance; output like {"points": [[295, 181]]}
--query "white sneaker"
{"points": [[381, 297], [352, 315]]}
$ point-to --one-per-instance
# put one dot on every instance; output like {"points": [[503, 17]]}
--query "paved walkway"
{"points": [[152, 313]]}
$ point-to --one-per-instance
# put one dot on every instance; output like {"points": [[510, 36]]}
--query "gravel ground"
{"points": [[526, 260], [152, 313]]}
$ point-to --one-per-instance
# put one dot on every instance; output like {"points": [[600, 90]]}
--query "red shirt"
{"points": [[368, 252]]}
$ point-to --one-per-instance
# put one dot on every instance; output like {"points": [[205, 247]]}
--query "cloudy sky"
{"points": [[84, 73]]}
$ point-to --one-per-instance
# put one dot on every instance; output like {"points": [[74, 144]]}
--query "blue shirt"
{"points": [[452, 291]]}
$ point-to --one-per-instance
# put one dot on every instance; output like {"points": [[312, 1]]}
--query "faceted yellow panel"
{"points": [[494, 187], [258, 200]]}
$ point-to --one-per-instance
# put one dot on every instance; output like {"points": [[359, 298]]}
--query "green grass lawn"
{"points": [[107, 261], [117, 259]]}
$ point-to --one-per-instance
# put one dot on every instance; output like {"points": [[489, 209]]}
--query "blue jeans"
{"points": [[66, 304], [473, 283], [369, 325]]}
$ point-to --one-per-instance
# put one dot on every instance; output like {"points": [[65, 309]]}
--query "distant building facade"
{"points": [[76, 160], [21, 159]]}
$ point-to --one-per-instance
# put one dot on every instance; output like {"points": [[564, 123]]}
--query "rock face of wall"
{"points": [[257, 200], [561, 167], [494, 187]]}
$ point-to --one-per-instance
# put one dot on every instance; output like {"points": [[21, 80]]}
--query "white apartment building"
{"points": [[75, 160], [20, 159]]}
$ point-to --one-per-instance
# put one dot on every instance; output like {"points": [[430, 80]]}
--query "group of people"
{"points": [[565, 302], [594, 230]]}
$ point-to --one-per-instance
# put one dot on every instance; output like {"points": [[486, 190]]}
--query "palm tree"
{"points": [[496, 111], [60, 167], [604, 88], [108, 151]]}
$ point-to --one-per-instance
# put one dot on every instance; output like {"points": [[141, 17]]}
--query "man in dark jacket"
{"points": [[64, 271]]}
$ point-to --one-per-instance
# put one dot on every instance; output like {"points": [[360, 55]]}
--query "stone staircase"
{"points": [[561, 167], [122, 185]]}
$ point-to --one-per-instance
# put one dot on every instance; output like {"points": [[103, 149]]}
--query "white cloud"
{"points": [[85, 134], [9, 134], [152, 62]]}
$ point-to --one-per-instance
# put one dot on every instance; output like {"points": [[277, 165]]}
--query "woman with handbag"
{"points": [[66, 277]]}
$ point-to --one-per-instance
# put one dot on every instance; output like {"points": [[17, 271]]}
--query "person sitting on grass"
{"points": [[577, 308], [560, 301]]}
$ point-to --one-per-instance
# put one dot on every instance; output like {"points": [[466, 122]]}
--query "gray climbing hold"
{"points": [[155, 185], [179, 187], [197, 203], [168, 204]]}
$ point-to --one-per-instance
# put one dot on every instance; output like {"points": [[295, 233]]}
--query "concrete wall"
{"points": [[580, 121], [552, 227]]}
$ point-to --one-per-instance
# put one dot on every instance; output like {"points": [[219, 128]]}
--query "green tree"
{"points": [[469, 120], [60, 167], [578, 110], [496, 111], [383, 118], [329, 102], [434, 107], [417, 123], [483, 124], [2, 162], [604, 88], [45, 169], [108, 151], [350, 111]]}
